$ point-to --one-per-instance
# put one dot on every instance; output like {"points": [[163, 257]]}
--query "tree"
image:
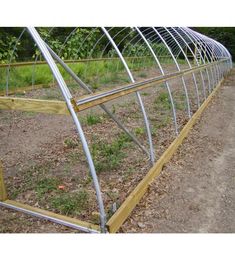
{"points": [[224, 35]]}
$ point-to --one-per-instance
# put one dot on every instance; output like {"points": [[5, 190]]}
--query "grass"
{"points": [[92, 119], [139, 131], [29, 114], [72, 203], [163, 122], [71, 143], [31, 178], [142, 75], [162, 101], [108, 156], [145, 94], [46, 185], [96, 73]]}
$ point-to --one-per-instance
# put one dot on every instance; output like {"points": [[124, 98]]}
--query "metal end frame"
{"points": [[205, 58], [68, 98]]}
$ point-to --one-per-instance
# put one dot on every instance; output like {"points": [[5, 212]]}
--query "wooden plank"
{"points": [[3, 191], [34, 105], [52, 215], [135, 196]]}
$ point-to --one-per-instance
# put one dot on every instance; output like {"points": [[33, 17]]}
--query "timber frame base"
{"points": [[116, 221]]}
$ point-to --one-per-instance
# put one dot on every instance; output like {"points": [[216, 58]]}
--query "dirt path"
{"points": [[196, 191]]}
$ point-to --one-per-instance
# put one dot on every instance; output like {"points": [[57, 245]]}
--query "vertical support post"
{"points": [[3, 191]]}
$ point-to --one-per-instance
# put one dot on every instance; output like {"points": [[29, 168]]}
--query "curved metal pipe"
{"points": [[178, 67], [147, 126], [67, 96], [163, 73]]}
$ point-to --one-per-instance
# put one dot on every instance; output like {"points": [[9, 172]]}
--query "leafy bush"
{"points": [[6, 49]]}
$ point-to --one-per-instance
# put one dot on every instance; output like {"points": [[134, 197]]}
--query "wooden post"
{"points": [[3, 192]]}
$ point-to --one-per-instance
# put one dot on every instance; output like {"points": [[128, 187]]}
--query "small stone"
{"points": [[141, 225]]}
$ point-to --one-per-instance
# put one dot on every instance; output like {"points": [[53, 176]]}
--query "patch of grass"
{"points": [[29, 113], [95, 73], [74, 156], [113, 109], [145, 93], [162, 101], [46, 185], [109, 156], [180, 102], [72, 203], [71, 143], [139, 131], [31, 179], [163, 122], [14, 194], [87, 180], [142, 75], [93, 119]]}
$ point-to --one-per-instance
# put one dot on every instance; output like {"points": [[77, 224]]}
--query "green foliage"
{"points": [[93, 119], [7, 46], [72, 203], [108, 156], [159, 49], [142, 75], [71, 143], [136, 50], [139, 49], [162, 101], [80, 44], [139, 131], [225, 35], [46, 185]]}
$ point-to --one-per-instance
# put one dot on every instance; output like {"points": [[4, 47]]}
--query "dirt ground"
{"points": [[31, 135], [196, 190]]}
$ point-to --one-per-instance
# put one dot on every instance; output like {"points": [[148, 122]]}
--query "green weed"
{"points": [[162, 101], [145, 93], [72, 203], [71, 143], [108, 156], [139, 131], [46, 185], [93, 119], [142, 75]]}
